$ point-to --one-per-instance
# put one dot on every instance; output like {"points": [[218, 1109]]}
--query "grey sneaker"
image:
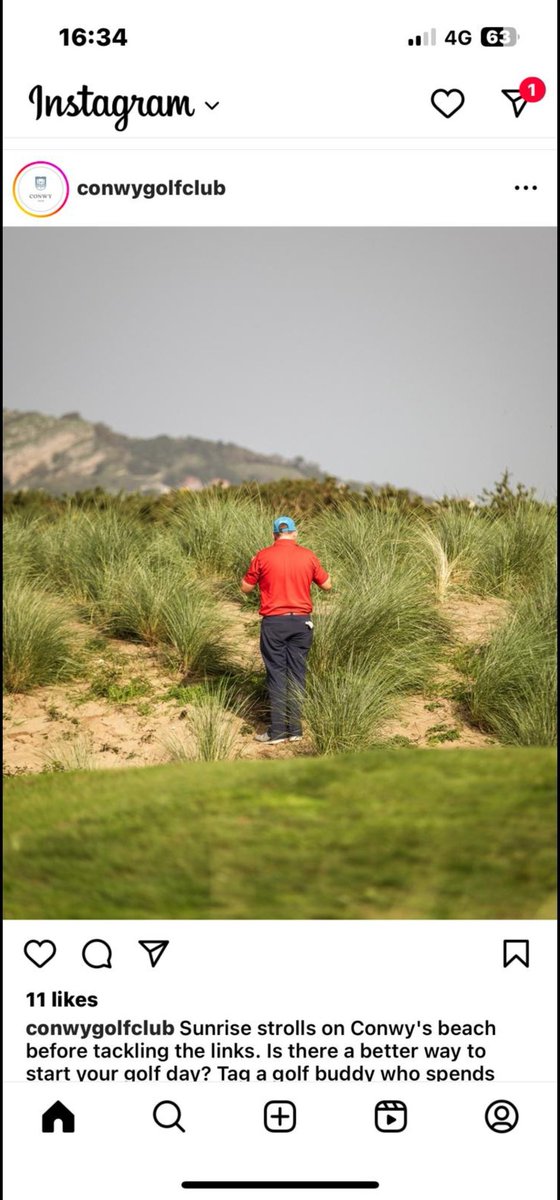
{"points": [[271, 741]]}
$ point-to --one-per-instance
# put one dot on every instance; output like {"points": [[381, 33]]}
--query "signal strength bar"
{"points": [[423, 39]]}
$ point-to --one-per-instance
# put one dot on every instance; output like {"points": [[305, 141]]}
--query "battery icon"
{"points": [[499, 35]]}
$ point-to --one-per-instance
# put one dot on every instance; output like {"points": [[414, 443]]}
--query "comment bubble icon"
{"points": [[97, 953]]}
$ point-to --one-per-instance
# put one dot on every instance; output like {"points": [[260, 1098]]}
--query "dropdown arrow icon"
{"points": [[211, 106]]}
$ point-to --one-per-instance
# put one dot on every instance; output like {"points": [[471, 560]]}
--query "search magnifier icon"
{"points": [[167, 1115]]}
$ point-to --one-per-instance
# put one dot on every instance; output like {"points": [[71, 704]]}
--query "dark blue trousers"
{"points": [[285, 644]]}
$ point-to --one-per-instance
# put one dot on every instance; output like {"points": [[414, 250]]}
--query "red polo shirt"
{"points": [[284, 573]]}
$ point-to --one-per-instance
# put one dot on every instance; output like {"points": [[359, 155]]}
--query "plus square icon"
{"points": [[280, 1116]]}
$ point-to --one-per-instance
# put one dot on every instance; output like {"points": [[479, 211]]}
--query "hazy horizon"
{"points": [[424, 358]]}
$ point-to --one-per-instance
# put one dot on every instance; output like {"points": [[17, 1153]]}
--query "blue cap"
{"points": [[284, 525]]}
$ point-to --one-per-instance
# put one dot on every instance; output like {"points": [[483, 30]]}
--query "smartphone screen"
{"points": [[279, 600]]}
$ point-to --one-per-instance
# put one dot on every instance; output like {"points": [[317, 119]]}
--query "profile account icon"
{"points": [[501, 1116]]}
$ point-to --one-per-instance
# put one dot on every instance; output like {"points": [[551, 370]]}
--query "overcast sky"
{"points": [[420, 357]]}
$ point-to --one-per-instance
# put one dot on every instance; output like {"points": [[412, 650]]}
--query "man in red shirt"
{"points": [[284, 573]]}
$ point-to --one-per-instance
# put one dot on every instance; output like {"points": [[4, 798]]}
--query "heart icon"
{"points": [[447, 103], [39, 953]]}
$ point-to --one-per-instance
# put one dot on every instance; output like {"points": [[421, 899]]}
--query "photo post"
{"points": [[279, 630]]}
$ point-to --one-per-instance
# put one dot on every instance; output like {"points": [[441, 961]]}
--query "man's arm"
{"points": [[251, 577], [321, 577]]}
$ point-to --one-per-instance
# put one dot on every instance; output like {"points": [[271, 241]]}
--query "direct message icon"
{"points": [[390, 1116], [530, 91], [514, 96]]}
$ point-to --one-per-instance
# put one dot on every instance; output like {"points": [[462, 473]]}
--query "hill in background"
{"points": [[68, 453]]}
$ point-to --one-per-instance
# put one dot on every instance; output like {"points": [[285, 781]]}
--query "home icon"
{"points": [[58, 1112]]}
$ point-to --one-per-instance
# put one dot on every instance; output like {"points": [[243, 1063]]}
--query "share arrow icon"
{"points": [[154, 950]]}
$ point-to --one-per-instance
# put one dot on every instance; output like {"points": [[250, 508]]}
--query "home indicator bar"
{"points": [[281, 1183]]}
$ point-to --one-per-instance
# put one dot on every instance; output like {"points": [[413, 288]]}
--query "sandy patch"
{"points": [[66, 724], [434, 723], [440, 721], [474, 620]]}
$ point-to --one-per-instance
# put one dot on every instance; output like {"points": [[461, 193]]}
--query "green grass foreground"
{"points": [[387, 834]]}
